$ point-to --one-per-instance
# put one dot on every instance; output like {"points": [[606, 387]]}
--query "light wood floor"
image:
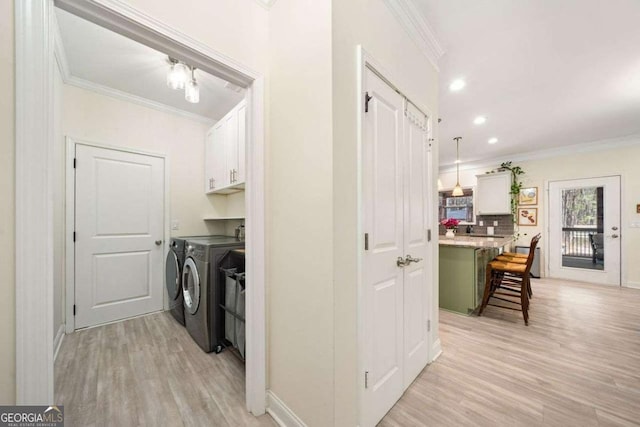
{"points": [[148, 372], [576, 364]]}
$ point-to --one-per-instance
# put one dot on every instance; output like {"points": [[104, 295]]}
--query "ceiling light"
{"points": [[479, 120], [191, 90], [493, 140], [457, 85], [178, 75], [457, 161], [457, 190]]}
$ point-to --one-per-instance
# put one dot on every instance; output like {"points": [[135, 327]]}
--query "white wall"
{"points": [[618, 161], [300, 206], [370, 23], [7, 208]]}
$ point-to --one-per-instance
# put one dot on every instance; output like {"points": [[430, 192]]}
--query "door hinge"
{"points": [[75, 162], [74, 309], [74, 236], [428, 235], [429, 325], [367, 98], [366, 379], [366, 241]]}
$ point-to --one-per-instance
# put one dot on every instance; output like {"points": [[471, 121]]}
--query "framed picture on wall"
{"points": [[528, 196], [527, 216]]}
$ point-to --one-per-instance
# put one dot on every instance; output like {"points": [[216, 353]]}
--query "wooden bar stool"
{"points": [[509, 280]]}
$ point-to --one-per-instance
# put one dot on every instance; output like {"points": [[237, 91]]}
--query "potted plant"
{"points": [[451, 225]]}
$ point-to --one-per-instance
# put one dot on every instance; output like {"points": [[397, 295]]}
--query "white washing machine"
{"points": [[199, 280]]}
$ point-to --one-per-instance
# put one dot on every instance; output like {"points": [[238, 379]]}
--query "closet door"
{"points": [[383, 222], [416, 244]]}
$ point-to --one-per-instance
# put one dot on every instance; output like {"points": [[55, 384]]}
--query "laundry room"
{"points": [[149, 218]]}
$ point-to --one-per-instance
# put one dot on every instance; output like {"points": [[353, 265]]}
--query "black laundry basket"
{"points": [[231, 330]]}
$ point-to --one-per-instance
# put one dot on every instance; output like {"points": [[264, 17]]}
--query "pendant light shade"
{"points": [[178, 75], [457, 190], [192, 91]]}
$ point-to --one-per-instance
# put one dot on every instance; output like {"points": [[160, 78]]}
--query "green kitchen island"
{"points": [[463, 262]]}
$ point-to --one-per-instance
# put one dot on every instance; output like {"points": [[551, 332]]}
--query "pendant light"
{"points": [[178, 75], [457, 190], [192, 91]]}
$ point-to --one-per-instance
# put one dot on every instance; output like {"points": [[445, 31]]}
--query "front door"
{"points": [[119, 229], [395, 206], [584, 230]]}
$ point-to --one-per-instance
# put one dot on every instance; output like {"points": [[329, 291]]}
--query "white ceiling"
{"points": [[101, 56], [545, 73]]}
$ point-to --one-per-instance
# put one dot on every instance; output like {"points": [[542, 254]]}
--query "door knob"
{"points": [[400, 262], [408, 260], [614, 228], [614, 236], [158, 242]]}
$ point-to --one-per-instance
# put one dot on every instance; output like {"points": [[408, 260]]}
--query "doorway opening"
{"points": [[36, 164]]}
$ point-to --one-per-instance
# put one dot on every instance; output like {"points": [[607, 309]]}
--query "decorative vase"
{"points": [[449, 234]]}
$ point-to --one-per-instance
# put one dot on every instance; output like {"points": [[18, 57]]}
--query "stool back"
{"points": [[532, 250]]}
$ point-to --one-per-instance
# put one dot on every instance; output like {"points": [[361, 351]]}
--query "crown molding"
{"points": [[594, 146], [68, 78], [418, 28]]}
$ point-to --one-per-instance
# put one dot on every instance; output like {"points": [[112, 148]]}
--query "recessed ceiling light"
{"points": [[480, 120], [493, 140], [457, 85], [458, 161]]}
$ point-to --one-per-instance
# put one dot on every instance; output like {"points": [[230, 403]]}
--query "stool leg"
{"points": [[524, 299], [487, 289]]}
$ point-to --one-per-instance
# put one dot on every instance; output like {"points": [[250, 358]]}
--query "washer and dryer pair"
{"points": [[192, 279]]}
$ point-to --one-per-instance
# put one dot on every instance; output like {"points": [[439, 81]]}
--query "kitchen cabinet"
{"points": [[493, 194], [225, 153]]}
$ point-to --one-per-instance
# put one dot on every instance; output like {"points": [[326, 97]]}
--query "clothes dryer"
{"points": [[200, 279]]}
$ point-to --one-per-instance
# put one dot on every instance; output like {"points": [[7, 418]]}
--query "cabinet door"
{"points": [[494, 194], [208, 162], [218, 157], [242, 140], [231, 147]]}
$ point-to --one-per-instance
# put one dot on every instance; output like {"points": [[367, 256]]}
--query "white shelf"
{"points": [[222, 218]]}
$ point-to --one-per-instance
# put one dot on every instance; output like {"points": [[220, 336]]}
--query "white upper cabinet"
{"points": [[225, 153], [493, 194]]}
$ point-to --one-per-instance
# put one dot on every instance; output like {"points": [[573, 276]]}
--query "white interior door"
{"points": [[383, 222], [584, 230], [119, 234], [416, 244]]}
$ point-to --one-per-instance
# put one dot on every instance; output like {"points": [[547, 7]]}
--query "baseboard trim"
{"points": [[634, 285], [281, 413], [437, 350], [57, 341]]}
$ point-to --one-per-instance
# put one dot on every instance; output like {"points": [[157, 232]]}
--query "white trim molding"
{"points": [[281, 413], [588, 147], [631, 284], [34, 207], [436, 350], [57, 341], [418, 28]]}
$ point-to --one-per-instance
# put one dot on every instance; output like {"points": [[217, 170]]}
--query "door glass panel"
{"points": [[583, 228]]}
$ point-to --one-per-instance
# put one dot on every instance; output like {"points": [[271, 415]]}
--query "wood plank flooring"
{"points": [[576, 364], [148, 372]]}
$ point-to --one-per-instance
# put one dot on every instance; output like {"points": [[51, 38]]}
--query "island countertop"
{"points": [[477, 242]]}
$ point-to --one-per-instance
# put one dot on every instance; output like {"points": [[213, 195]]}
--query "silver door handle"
{"points": [[614, 228], [408, 260], [614, 236], [400, 262], [158, 242]]}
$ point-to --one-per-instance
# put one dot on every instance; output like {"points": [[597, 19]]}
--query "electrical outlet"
{"points": [[175, 225], [495, 223], [481, 224]]}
